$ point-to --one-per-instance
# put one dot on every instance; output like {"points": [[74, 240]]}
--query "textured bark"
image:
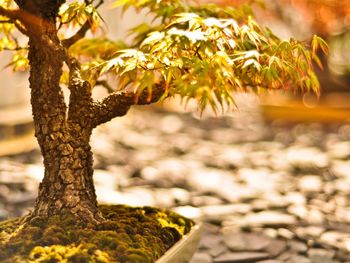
{"points": [[117, 104], [63, 133], [64, 143]]}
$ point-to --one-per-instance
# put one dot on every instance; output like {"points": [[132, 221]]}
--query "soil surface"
{"points": [[128, 235], [267, 192]]}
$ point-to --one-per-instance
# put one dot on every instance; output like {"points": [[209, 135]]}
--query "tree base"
{"points": [[128, 235]]}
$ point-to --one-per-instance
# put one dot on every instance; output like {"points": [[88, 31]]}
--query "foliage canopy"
{"points": [[203, 51]]}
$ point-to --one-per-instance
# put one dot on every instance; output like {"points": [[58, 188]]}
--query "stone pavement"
{"points": [[266, 192]]}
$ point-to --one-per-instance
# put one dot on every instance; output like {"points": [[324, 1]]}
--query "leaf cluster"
{"points": [[7, 39], [77, 13], [208, 55], [206, 52]]}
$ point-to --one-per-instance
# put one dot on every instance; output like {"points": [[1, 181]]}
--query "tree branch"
{"points": [[21, 28], [80, 100], [117, 104], [14, 15], [26, 19], [77, 36], [99, 4], [18, 25], [14, 49]]}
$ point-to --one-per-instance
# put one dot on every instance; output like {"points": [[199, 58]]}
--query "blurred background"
{"points": [[270, 181]]}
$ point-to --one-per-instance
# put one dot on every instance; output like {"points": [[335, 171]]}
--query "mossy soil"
{"points": [[129, 234]]}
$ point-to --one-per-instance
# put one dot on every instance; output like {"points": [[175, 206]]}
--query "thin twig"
{"points": [[77, 36], [16, 23], [14, 49], [20, 28]]}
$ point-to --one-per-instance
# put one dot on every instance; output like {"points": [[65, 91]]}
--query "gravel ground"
{"points": [[266, 192]]}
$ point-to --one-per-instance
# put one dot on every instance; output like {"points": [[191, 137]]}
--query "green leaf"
{"points": [[317, 43], [206, 52], [153, 38], [253, 62]]}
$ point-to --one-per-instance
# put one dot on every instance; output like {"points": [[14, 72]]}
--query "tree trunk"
{"points": [[64, 142], [64, 133], [68, 183]]}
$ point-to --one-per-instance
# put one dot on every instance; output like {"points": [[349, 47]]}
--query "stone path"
{"points": [[266, 192]]}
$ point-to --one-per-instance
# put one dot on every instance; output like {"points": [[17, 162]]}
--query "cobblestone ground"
{"points": [[265, 192]]}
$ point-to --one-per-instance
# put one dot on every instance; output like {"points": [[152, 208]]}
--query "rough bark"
{"points": [[117, 104], [64, 142], [63, 133]]}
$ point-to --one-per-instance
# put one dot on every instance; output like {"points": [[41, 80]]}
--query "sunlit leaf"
{"points": [[207, 53]]}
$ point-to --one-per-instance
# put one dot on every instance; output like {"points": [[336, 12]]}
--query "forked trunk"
{"points": [[64, 142], [64, 132]]}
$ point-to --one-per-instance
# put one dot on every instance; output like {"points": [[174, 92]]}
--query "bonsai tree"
{"points": [[204, 52]]}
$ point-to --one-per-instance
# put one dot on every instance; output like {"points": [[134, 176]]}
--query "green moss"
{"points": [[137, 235], [59, 253]]}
